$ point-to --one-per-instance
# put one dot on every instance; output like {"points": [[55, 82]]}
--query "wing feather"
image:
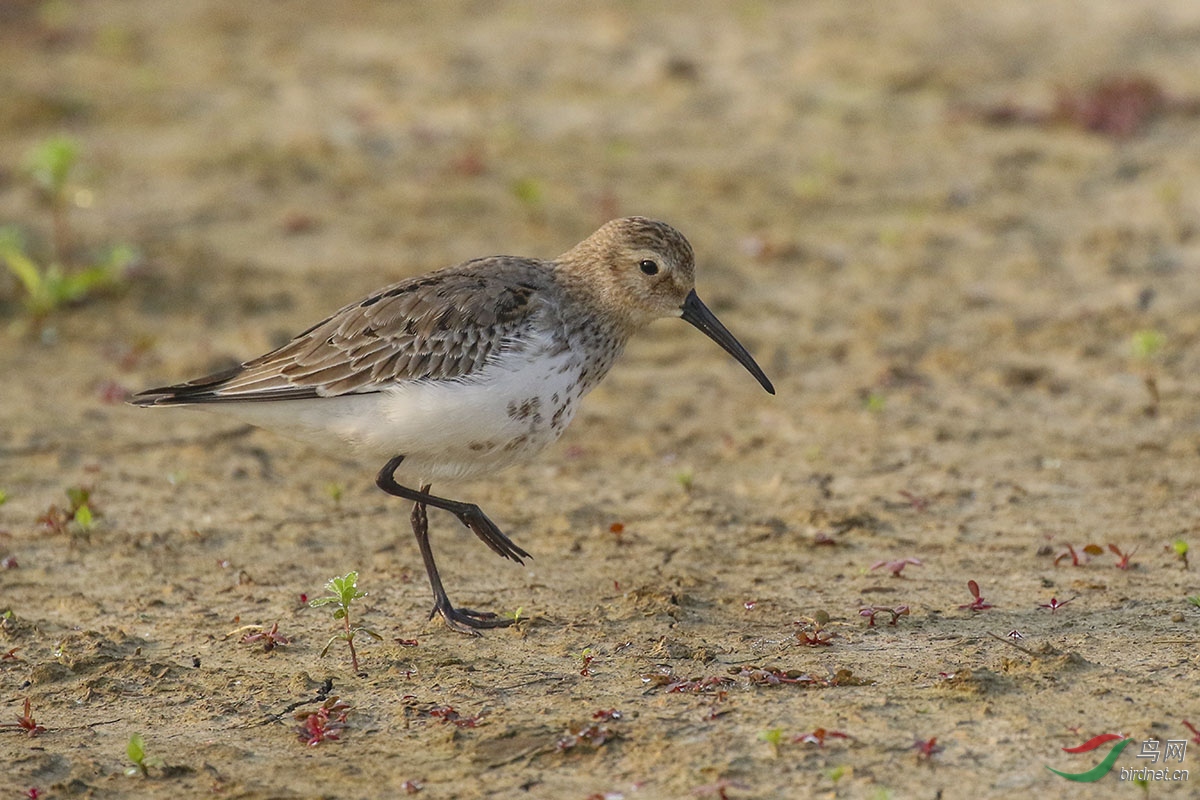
{"points": [[441, 326]]}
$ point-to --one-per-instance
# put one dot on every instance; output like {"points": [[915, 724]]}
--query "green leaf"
{"points": [[136, 749], [78, 496], [528, 191], [77, 286], [339, 586], [83, 517], [46, 289], [12, 249], [1147, 344], [119, 257], [51, 162], [772, 736]]}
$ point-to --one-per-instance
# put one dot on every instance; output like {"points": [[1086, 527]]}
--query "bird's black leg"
{"points": [[468, 514], [463, 620]]}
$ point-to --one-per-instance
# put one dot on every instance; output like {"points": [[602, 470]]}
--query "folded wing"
{"points": [[441, 326]]}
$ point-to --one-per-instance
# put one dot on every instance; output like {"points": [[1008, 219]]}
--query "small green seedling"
{"points": [[686, 478], [3, 497], [528, 191], [50, 165], [1181, 549], [50, 287], [82, 512], [1147, 344], [136, 751], [1195, 600], [773, 737], [342, 592], [50, 284], [84, 518], [835, 774]]}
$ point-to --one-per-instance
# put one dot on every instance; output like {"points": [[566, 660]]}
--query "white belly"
{"points": [[445, 429]]}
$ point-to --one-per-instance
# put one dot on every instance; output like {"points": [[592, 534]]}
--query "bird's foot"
{"points": [[474, 518], [469, 621]]}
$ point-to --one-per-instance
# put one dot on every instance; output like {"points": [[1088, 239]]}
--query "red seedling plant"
{"points": [[1077, 558], [1122, 558], [1054, 604], [978, 604], [449, 715], [819, 736], [1192, 728], [811, 631], [324, 724], [25, 723], [1074, 557], [270, 638], [927, 748], [897, 566], [870, 612]]}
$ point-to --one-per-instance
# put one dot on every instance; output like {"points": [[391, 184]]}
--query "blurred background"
{"points": [[382, 136]]}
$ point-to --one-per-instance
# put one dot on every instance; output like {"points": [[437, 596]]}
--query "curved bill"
{"points": [[697, 313]]}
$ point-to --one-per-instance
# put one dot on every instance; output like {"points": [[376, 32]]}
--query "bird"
{"points": [[466, 370]]}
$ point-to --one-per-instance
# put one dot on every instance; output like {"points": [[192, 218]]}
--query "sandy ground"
{"points": [[946, 282]]}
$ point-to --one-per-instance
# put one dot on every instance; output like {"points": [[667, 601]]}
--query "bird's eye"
{"points": [[649, 267]]}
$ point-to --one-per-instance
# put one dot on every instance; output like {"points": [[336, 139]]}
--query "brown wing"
{"points": [[439, 326]]}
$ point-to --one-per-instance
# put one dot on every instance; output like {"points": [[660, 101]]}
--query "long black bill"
{"points": [[698, 314]]}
